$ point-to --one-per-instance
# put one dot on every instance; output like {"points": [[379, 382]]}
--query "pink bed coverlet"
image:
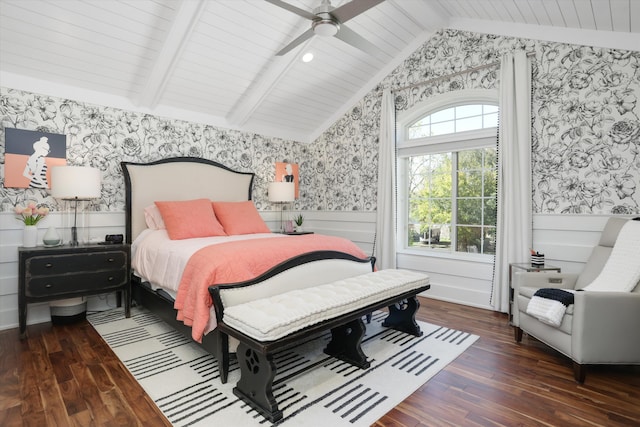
{"points": [[240, 261]]}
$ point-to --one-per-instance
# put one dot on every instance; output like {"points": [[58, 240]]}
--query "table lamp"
{"points": [[75, 183], [281, 193]]}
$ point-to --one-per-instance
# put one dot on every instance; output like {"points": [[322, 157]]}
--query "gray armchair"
{"points": [[599, 327]]}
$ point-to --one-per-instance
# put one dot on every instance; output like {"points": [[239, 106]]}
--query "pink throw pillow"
{"points": [[240, 218], [188, 219]]}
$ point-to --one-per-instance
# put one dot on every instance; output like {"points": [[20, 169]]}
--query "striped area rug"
{"points": [[311, 388]]}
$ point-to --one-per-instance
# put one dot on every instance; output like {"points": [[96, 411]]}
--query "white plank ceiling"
{"points": [[213, 61]]}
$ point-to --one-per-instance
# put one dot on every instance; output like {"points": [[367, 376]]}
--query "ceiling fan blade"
{"points": [[353, 9], [301, 38], [350, 37], [293, 9]]}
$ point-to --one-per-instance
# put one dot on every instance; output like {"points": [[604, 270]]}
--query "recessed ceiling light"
{"points": [[307, 57]]}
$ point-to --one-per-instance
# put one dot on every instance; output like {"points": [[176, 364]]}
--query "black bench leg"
{"points": [[345, 343], [255, 386], [402, 317], [222, 355]]}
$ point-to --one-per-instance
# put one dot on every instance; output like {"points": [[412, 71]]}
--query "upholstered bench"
{"points": [[267, 325]]}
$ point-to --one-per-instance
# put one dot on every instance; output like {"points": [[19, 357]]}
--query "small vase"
{"points": [[51, 237], [30, 236]]}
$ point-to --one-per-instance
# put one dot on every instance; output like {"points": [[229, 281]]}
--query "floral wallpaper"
{"points": [[102, 137], [585, 119], [585, 130]]}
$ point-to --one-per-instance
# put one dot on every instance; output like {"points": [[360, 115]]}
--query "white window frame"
{"points": [[437, 144]]}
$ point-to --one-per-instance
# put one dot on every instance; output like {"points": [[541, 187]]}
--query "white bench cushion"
{"points": [[271, 318]]}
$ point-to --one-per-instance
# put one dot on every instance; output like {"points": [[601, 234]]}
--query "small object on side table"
{"points": [[288, 227], [51, 237], [537, 258]]}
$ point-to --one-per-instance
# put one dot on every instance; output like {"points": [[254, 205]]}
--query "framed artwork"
{"points": [[30, 155], [287, 172]]}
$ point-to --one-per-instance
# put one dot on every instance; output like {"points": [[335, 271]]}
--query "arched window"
{"points": [[447, 178], [455, 119]]}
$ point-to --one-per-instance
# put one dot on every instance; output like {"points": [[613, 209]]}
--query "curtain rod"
{"points": [[457, 73]]}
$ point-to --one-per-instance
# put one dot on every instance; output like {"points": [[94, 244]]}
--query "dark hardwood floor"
{"points": [[67, 376]]}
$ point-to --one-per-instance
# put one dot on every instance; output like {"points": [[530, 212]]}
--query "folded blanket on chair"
{"points": [[549, 305]]}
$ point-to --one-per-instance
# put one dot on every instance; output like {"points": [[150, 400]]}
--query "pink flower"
{"points": [[32, 214]]}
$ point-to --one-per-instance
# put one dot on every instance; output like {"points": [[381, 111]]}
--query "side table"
{"points": [[528, 267], [50, 273], [296, 233]]}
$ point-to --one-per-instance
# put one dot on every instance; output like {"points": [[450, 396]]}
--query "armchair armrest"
{"points": [[536, 280], [605, 327], [544, 280]]}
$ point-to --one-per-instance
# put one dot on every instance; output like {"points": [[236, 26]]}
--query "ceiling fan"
{"points": [[328, 21]]}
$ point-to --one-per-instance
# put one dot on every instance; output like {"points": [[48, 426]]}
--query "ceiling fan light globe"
{"points": [[325, 28]]}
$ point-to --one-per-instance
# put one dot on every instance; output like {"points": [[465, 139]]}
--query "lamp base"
{"points": [[74, 236], [75, 222], [281, 221]]}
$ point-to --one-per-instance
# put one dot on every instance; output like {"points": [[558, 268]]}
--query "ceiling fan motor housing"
{"points": [[325, 25]]}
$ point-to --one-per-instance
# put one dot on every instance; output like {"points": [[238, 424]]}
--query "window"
{"points": [[455, 119], [447, 180]]}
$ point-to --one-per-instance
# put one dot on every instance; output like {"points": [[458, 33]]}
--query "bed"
{"points": [[185, 179]]}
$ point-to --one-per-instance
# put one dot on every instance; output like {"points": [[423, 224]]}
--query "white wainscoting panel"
{"points": [[566, 241]]}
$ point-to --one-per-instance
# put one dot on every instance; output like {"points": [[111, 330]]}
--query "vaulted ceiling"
{"points": [[214, 61]]}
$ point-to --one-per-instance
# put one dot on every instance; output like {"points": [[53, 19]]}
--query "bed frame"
{"points": [[179, 178], [185, 178]]}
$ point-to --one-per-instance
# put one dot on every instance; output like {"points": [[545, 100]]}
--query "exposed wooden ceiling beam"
{"points": [[256, 93], [187, 15]]}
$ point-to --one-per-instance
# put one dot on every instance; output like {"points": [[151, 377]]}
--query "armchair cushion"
{"points": [[621, 273], [611, 230], [601, 252]]}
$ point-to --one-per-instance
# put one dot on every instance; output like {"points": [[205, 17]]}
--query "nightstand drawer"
{"points": [[59, 264], [80, 282]]}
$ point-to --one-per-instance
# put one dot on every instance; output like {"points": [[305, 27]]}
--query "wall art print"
{"points": [[288, 172], [30, 155]]}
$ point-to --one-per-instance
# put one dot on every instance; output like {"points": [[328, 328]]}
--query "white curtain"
{"points": [[514, 173], [386, 209]]}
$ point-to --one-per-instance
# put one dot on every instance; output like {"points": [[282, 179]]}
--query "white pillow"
{"points": [[153, 218]]}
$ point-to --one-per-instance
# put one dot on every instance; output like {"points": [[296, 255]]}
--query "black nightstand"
{"points": [[47, 274]]}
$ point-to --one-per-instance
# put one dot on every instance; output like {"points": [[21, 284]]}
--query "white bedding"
{"points": [[160, 261]]}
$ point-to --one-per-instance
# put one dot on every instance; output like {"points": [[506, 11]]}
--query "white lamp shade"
{"points": [[70, 182], [282, 191]]}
